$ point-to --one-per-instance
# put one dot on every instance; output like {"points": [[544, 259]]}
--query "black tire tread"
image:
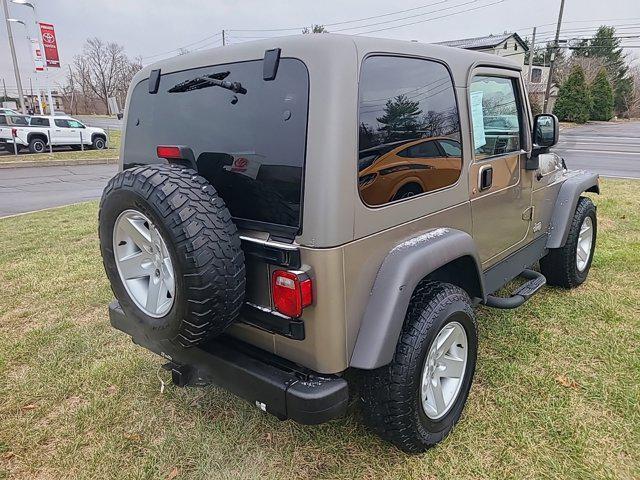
{"points": [[388, 392], [558, 266], [204, 234]]}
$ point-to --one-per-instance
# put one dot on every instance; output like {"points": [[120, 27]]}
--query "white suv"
{"points": [[60, 130]]}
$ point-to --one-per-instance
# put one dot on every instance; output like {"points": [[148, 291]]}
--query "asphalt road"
{"points": [[28, 189], [610, 149]]}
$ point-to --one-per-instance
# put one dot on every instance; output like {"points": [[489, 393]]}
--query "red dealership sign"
{"points": [[50, 45]]}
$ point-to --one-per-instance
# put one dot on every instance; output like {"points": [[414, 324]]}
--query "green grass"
{"points": [[556, 394], [113, 151]]}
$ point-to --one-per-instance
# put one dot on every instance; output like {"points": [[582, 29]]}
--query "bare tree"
{"points": [[103, 70]]}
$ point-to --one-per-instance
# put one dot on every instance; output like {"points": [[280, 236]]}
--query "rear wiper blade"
{"points": [[205, 81]]}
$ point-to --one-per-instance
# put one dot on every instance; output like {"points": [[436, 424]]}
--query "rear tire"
{"points": [[182, 214], [395, 398], [37, 145], [567, 267]]}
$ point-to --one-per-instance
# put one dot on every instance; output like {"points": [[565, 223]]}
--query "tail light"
{"points": [[168, 152], [291, 292]]}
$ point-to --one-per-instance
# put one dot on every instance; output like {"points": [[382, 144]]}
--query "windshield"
{"points": [[250, 146]]}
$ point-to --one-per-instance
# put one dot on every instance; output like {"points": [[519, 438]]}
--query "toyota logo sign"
{"points": [[48, 38]]}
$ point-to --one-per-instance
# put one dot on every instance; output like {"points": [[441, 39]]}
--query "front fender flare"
{"points": [[401, 271], [566, 203]]}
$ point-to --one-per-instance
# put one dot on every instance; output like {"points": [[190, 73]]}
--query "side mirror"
{"points": [[545, 130]]}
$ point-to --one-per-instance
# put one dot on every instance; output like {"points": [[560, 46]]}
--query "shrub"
{"points": [[574, 101], [602, 97]]}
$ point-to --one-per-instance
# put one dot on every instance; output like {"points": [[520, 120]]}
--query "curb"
{"points": [[59, 163]]}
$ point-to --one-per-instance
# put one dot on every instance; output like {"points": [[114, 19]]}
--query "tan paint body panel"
{"points": [[343, 241]]}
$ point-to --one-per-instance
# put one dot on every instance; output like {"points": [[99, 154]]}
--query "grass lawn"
{"points": [[113, 151], [556, 393]]}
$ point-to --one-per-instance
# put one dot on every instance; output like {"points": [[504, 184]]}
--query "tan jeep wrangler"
{"points": [[295, 208]]}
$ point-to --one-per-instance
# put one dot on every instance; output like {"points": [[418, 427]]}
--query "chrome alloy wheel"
{"points": [[443, 370], [585, 240], [144, 263]]}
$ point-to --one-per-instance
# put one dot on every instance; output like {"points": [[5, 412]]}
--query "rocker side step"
{"points": [[535, 282]]}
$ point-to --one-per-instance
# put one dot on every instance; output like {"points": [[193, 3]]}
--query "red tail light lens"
{"points": [[291, 292], [168, 151]]}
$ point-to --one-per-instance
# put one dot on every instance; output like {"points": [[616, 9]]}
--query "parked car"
{"points": [[62, 130], [8, 111], [245, 245]]}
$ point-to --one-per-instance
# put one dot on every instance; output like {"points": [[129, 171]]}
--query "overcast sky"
{"points": [[147, 28]]}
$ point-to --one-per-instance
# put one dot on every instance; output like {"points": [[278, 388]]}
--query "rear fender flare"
{"points": [[401, 271]]}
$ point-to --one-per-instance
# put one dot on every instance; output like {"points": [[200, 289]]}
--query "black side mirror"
{"points": [[545, 130], [545, 134]]}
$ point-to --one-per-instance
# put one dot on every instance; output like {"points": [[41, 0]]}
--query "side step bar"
{"points": [[535, 282]]}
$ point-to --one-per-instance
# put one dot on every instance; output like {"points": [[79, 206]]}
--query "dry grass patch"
{"points": [[556, 392]]}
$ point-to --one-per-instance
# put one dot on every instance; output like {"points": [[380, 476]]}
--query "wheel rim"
{"points": [[585, 240], [144, 263], [443, 370], [99, 144], [38, 146]]}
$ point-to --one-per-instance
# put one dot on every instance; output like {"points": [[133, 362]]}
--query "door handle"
{"points": [[486, 177]]}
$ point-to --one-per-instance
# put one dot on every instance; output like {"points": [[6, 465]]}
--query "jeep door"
{"points": [[499, 185]]}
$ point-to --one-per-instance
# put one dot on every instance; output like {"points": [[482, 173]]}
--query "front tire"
{"points": [[568, 266], [99, 143], [415, 401]]}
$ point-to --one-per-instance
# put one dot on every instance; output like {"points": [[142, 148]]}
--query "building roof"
{"points": [[489, 41]]}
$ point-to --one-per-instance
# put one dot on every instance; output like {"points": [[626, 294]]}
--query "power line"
{"points": [[397, 12], [431, 19], [407, 17]]}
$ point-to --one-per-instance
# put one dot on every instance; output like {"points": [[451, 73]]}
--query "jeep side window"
{"points": [[61, 123], [407, 106], [495, 116]]}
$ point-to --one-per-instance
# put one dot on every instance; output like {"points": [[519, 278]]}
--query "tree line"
{"points": [[595, 80]]}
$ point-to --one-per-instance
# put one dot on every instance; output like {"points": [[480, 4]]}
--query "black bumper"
{"points": [[271, 383]]}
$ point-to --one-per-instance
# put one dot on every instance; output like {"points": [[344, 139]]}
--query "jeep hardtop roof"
{"points": [[331, 208]]}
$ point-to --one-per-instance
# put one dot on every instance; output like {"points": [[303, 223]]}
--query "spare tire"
{"points": [[172, 253]]}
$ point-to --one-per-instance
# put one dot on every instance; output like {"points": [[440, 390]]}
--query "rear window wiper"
{"points": [[205, 81]]}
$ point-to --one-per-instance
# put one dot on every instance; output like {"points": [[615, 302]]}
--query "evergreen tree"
{"points": [[606, 46], [601, 97], [400, 119], [573, 103]]}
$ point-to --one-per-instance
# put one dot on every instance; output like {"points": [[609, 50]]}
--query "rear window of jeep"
{"points": [[409, 129], [250, 147]]}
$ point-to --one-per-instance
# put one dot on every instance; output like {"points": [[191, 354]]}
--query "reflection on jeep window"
{"points": [[494, 112], [409, 129], [250, 147]]}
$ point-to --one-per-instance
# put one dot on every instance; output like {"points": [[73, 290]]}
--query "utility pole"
{"points": [[223, 39], [545, 107], [12, 47], [532, 52], [4, 86]]}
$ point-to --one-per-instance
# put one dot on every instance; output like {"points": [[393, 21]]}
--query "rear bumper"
{"points": [[273, 384]]}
